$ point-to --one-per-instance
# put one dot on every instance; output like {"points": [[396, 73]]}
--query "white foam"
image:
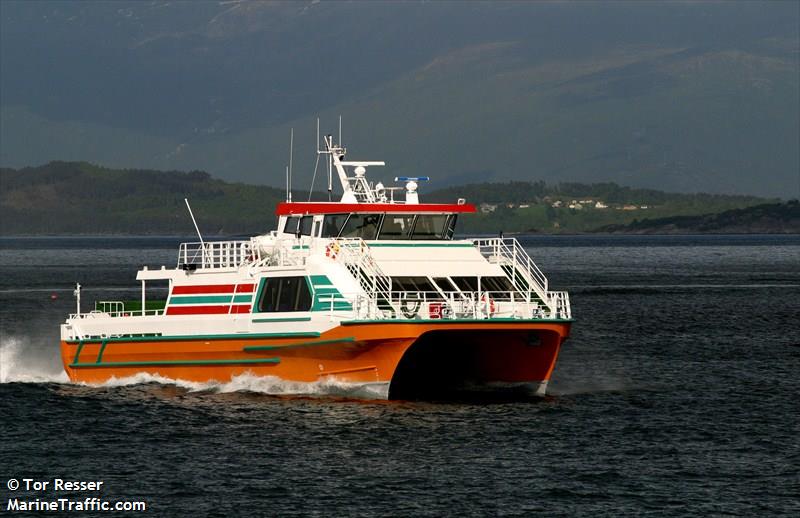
{"points": [[20, 363], [247, 382]]}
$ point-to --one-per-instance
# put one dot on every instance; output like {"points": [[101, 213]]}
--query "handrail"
{"points": [[356, 256], [447, 305], [508, 251], [216, 254]]}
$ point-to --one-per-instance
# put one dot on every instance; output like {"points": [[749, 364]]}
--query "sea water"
{"points": [[677, 394]]}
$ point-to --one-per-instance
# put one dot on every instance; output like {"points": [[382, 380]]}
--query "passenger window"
{"points": [[364, 226], [466, 283], [429, 226], [496, 284], [332, 224], [412, 284], [396, 226], [444, 284], [281, 294]]}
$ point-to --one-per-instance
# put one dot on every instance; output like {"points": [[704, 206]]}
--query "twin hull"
{"points": [[396, 359]]}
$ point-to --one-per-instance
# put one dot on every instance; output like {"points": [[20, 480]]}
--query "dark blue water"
{"points": [[676, 395]]}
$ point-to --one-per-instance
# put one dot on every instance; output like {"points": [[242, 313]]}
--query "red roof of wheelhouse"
{"points": [[289, 208]]}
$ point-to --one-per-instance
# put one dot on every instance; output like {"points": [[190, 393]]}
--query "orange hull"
{"points": [[407, 356]]}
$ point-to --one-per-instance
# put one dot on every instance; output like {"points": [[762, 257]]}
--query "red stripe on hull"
{"points": [[213, 288], [208, 310]]}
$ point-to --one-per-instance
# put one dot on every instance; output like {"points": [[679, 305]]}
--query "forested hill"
{"points": [[610, 192], [82, 198], [773, 218]]}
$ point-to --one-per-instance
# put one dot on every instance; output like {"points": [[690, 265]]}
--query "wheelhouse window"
{"points": [[397, 226], [430, 226], [291, 225], [280, 294], [450, 227], [333, 224], [364, 226], [305, 225], [295, 223]]}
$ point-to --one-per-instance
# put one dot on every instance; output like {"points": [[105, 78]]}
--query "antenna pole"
{"points": [[329, 145], [197, 229], [289, 175], [340, 130]]}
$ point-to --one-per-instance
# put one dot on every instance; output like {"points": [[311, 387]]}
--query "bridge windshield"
{"points": [[390, 226]]}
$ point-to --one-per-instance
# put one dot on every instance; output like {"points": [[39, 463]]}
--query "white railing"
{"points": [[286, 252], [355, 254], [115, 314], [563, 308], [435, 305], [216, 254], [508, 252]]}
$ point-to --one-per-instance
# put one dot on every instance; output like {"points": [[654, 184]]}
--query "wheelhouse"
{"points": [[371, 222]]}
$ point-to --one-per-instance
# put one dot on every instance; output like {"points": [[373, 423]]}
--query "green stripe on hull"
{"points": [[298, 344], [178, 363], [78, 352], [102, 350]]}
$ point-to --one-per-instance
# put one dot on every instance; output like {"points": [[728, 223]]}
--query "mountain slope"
{"points": [[679, 96]]}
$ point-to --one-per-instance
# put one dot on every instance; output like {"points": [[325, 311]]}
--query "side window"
{"points": [[450, 228], [396, 226], [291, 225], [496, 284], [364, 226], [281, 294], [444, 284], [466, 283], [332, 224]]}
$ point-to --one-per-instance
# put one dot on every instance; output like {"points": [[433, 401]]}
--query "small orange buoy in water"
{"points": [[53, 296]]}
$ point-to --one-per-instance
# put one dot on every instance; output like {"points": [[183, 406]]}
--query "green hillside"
{"points": [[82, 198], [773, 218]]}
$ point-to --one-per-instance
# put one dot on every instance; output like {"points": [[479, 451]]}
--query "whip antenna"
{"points": [[197, 229]]}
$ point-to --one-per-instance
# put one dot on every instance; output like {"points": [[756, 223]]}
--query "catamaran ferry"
{"points": [[372, 291]]}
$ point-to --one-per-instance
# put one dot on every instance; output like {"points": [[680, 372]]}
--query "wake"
{"points": [[22, 362]]}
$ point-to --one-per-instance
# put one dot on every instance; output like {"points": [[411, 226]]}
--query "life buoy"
{"points": [[332, 249], [487, 302], [410, 307]]}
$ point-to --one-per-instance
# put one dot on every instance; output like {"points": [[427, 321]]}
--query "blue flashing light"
{"points": [[412, 178]]}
